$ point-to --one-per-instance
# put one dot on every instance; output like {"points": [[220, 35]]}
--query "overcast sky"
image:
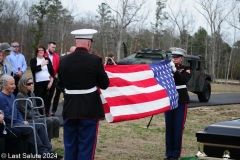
{"points": [[82, 6]]}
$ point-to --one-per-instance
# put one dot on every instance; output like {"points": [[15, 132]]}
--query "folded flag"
{"points": [[138, 91]]}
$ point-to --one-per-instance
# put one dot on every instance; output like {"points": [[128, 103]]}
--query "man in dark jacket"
{"points": [[81, 74], [175, 119]]}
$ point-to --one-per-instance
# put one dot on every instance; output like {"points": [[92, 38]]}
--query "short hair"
{"points": [[51, 42], [36, 49], [15, 42], [4, 80], [110, 54], [22, 84]]}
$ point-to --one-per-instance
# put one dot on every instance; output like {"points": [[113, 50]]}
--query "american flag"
{"points": [[138, 91]]}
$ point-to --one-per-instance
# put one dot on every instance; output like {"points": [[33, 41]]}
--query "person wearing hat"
{"points": [[175, 119], [1, 64], [6, 49], [81, 73]]}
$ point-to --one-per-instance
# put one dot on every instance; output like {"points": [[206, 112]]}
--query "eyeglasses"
{"points": [[40, 50], [15, 46], [29, 84]]}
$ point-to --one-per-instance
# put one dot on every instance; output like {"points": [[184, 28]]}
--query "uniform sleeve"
{"points": [[182, 78], [102, 78], [60, 82]]}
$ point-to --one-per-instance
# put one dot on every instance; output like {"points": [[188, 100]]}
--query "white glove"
{"points": [[172, 65]]}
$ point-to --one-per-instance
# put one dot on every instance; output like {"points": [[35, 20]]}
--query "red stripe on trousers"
{"points": [[95, 144]]}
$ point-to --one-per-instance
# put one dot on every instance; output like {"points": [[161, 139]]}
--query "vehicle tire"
{"points": [[205, 95]]}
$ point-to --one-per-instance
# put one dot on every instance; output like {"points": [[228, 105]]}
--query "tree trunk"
{"points": [[119, 43]]}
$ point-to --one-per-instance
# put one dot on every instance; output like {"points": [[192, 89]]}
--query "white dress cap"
{"points": [[84, 33], [177, 51]]}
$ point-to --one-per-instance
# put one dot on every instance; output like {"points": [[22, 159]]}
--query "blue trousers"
{"points": [[175, 120], [80, 137]]}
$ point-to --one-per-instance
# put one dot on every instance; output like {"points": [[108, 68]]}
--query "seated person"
{"points": [[25, 87], [12, 136], [7, 86]]}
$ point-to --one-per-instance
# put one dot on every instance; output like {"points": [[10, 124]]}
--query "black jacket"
{"points": [[181, 77], [79, 71], [36, 68]]}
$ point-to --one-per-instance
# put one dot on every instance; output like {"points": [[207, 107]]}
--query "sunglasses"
{"points": [[29, 84], [15, 46], [176, 56]]}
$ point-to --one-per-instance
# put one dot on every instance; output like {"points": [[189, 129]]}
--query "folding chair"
{"points": [[28, 100]]}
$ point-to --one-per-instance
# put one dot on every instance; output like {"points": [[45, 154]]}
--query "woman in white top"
{"points": [[42, 72]]}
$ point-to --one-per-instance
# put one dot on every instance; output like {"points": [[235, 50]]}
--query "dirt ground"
{"points": [[132, 141]]}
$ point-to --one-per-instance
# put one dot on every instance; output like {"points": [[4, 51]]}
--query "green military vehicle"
{"points": [[199, 82]]}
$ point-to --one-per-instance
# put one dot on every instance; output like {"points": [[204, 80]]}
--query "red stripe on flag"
{"points": [[133, 93], [135, 99], [139, 115], [126, 68]]}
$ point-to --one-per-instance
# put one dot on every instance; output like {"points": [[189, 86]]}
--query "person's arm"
{"points": [[60, 83], [50, 83], [5, 109], [1, 116], [24, 65], [105, 62], [183, 77], [19, 116], [22, 104], [51, 72], [34, 67], [102, 78]]}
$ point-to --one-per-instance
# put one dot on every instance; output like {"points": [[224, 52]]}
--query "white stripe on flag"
{"points": [[132, 76], [140, 107], [129, 90]]}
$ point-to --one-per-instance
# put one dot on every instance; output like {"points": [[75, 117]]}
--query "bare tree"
{"points": [[126, 12], [184, 21], [234, 22], [215, 13]]}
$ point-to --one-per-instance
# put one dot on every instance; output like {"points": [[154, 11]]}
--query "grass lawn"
{"points": [[132, 141]]}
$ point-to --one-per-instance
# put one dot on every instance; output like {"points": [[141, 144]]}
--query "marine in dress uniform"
{"points": [[175, 119], [81, 74]]}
